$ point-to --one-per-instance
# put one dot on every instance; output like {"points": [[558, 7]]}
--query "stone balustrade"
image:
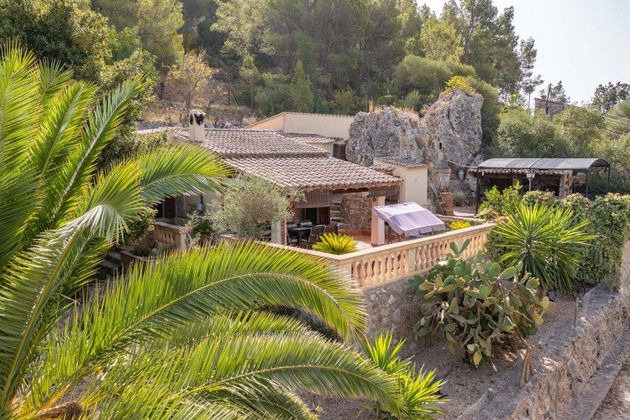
{"points": [[170, 236], [388, 263]]}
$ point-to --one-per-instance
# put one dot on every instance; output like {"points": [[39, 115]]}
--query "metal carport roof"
{"points": [[576, 164]]}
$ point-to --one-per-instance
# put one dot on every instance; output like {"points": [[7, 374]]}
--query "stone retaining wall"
{"points": [[562, 364], [393, 307], [565, 363]]}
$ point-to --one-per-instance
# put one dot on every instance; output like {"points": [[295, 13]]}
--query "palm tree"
{"points": [[191, 335]]}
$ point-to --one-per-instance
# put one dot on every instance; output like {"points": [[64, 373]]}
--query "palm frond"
{"points": [[61, 126], [179, 170], [112, 202], [158, 299], [53, 78], [231, 324], [27, 307], [102, 125], [19, 106], [257, 373], [153, 401]]}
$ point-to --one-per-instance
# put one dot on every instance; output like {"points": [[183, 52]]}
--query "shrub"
{"points": [[545, 241], [497, 203], [478, 306], [201, 227], [461, 83], [332, 243], [250, 205], [139, 227], [419, 389], [608, 218], [540, 197], [459, 224]]}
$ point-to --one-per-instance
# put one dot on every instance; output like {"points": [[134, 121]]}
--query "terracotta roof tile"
{"points": [[313, 173], [392, 160], [309, 138], [231, 143]]}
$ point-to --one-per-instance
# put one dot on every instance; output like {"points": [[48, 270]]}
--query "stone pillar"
{"points": [[278, 232], [196, 127], [377, 229]]}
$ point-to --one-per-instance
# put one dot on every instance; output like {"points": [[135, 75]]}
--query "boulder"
{"points": [[449, 131], [389, 132], [454, 126]]}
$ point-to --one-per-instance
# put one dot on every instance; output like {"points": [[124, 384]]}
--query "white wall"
{"points": [[415, 186], [327, 147], [275, 122], [326, 125]]}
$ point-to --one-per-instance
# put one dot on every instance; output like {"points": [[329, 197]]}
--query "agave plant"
{"points": [[333, 243], [544, 241], [187, 336]]}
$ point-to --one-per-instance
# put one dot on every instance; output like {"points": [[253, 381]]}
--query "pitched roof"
{"points": [[232, 143], [309, 138], [313, 173], [287, 162], [398, 161]]}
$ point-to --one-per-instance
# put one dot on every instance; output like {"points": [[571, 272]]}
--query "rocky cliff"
{"points": [[449, 131]]}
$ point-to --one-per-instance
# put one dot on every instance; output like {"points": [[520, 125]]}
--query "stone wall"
{"points": [[356, 210], [394, 307], [569, 361], [564, 364]]}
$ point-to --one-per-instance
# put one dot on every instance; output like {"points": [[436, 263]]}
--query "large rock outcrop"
{"points": [[449, 131], [389, 132]]}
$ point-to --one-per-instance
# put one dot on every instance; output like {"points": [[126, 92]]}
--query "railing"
{"points": [[387, 263], [170, 236]]}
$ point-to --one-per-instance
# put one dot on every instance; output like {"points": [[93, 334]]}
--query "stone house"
{"points": [[292, 163]]}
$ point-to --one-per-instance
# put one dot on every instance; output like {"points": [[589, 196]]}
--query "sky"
{"points": [[581, 42]]}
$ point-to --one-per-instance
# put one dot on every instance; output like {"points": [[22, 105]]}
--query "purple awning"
{"points": [[409, 219]]}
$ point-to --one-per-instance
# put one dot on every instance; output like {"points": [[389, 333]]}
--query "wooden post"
{"points": [[377, 229]]}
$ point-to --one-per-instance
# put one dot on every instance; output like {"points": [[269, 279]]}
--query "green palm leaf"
{"points": [[179, 170], [258, 373]]}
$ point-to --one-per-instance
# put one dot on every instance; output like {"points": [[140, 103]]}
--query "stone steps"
{"points": [[111, 264]]}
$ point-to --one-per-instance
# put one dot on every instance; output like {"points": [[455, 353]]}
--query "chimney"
{"points": [[196, 127]]}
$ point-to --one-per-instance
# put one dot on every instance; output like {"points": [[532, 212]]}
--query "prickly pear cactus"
{"points": [[479, 306]]}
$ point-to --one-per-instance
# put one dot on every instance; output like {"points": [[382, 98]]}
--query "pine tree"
{"points": [[300, 90]]}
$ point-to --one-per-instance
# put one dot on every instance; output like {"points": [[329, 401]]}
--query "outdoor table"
{"points": [[300, 232]]}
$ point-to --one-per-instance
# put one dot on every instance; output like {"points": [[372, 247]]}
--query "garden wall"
{"points": [[394, 307], [563, 363], [566, 363]]}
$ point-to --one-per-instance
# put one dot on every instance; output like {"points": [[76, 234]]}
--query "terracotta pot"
{"points": [[447, 200]]}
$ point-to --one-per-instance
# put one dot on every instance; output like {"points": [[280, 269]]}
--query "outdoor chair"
{"points": [[332, 228], [316, 232], [292, 239]]}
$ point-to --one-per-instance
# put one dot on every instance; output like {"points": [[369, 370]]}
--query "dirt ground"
{"points": [[464, 383], [616, 405]]}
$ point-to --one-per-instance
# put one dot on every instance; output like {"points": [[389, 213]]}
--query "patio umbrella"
{"points": [[409, 219]]}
